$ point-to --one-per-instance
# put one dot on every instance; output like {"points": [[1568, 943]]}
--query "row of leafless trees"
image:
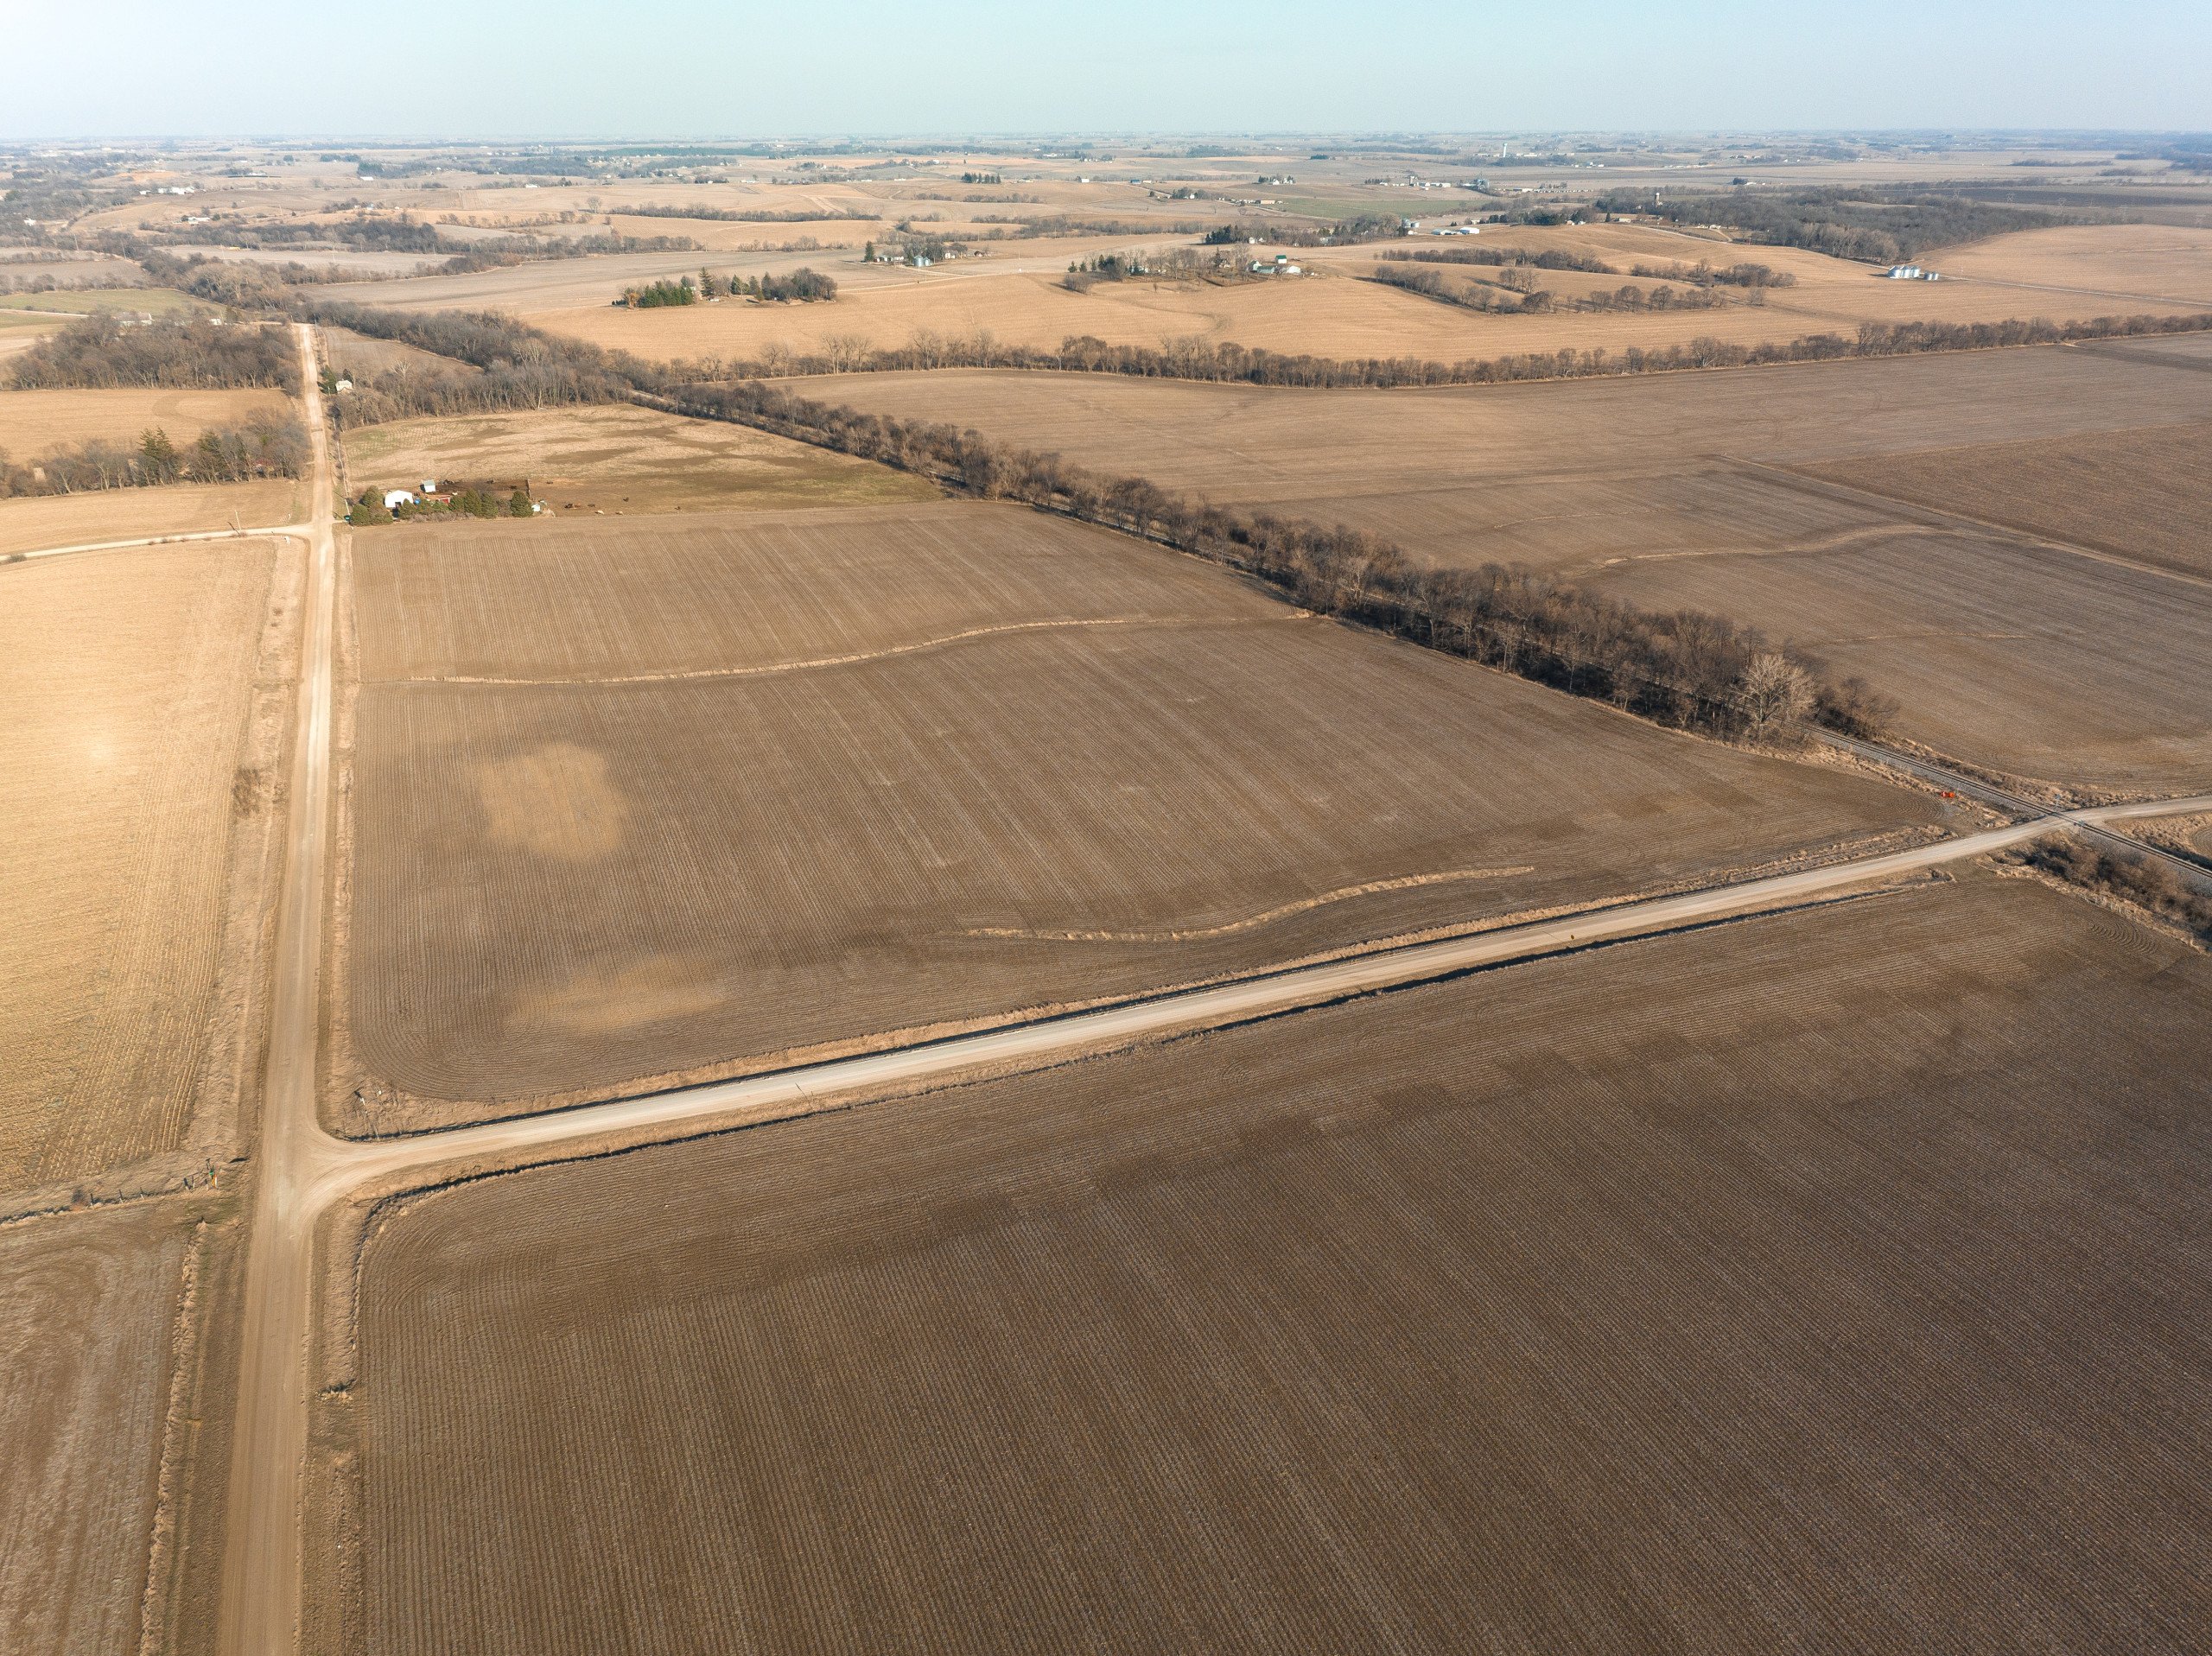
{"points": [[1548, 258], [265, 446], [1685, 668], [102, 351], [1198, 358], [522, 367], [2142, 880]]}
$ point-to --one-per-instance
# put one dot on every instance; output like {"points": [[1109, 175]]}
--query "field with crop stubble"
{"points": [[1808, 1299], [1711, 490], [783, 785], [142, 690], [88, 1307]]}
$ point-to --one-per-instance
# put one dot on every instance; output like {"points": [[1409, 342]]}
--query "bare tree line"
{"points": [[2141, 880], [102, 351], [266, 445], [1685, 668], [1202, 359]]}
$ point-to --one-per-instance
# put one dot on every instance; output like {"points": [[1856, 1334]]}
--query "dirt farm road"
{"points": [[260, 1596], [302, 1172]]}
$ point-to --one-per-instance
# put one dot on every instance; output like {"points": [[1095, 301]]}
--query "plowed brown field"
{"points": [[136, 820], [2037, 660], [1677, 489], [88, 1309], [1357, 449], [1831, 1282], [793, 785], [2143, 494]]}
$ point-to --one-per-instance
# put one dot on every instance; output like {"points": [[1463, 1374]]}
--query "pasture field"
{"points": [[85, 301], [2145, 494], [2037, 660], [1689, 489], [20, 331], [88, 1315], [936, 781], [143, 689], [36, 422], [36, 521], [1830, 1281], [352, 355], [622, 459]]}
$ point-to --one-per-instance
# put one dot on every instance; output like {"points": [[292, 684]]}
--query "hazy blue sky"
{"points": [[732, 68]]}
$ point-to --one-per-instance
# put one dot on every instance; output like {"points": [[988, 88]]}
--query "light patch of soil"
{"points": [[554, 801]]}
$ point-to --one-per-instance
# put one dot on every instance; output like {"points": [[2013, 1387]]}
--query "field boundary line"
{"points": [[2153, 359], [1943, 518]]}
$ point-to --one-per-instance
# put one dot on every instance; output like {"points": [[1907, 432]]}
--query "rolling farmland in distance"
{"points": [[1809, 1301], [1335, 310]]}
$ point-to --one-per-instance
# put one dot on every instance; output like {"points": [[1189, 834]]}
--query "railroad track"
{"points": [[2019, 806]]}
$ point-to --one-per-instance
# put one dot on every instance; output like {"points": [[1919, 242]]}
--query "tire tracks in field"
{"points": [[1343, 893], [817, 663]]}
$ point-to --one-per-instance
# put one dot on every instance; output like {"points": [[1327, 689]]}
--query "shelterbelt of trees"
{"points": [[1690, 670], [265, 446], [1202, 359], [526, 367], [102, 352], [1879, 225]]}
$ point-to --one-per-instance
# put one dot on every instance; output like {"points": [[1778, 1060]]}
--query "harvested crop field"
{"points": [[88, 1313], [27, 526], [135, 772], [2145, 494], [622, 462], [591, 600], [1689, 489], [2036, 661], [1263, 446], [36, 422], [1061, 765], [1787, 1286], [2147, 261]]}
